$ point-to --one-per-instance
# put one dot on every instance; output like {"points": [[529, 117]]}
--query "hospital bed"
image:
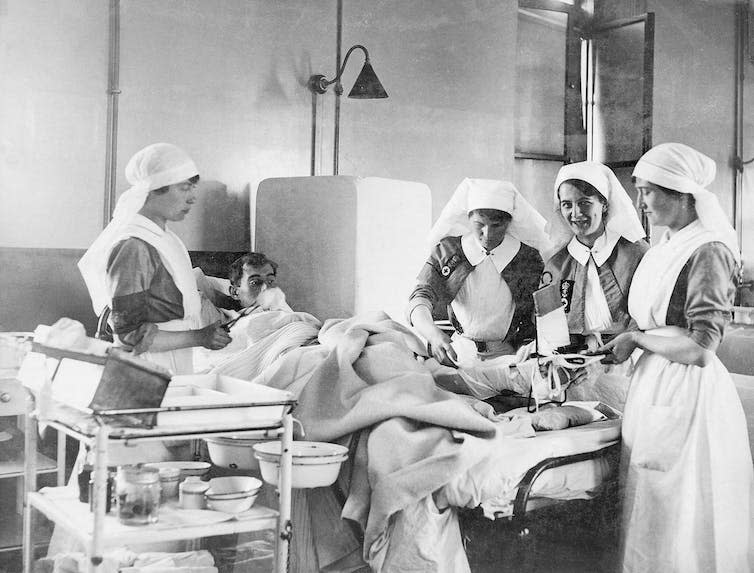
{"points": [[571, 470]]}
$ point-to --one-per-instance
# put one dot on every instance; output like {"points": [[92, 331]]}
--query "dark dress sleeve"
{"points": [[130, 271], [710, 288]]}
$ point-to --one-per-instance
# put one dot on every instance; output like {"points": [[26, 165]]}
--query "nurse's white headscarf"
{"points": [[621, 217], [684, 169], [526, 225], [155, 166]]}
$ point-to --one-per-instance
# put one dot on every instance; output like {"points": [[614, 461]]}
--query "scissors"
{"points": [[243, 312]]}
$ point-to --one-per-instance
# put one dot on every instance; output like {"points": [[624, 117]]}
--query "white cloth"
{"points": [[500, 255], [527, 225], [597, 315], [654, 279], [681, 168], [621, 219], [153, 167], [687, 468], [484, 304]]}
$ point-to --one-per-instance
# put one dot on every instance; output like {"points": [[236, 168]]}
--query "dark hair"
{"points": [[586, 188], [673, 194], [502, 216], [251, 259], [162, 190]]}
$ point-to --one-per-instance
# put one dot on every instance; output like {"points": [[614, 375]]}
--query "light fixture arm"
{"points": [[318, 83]]}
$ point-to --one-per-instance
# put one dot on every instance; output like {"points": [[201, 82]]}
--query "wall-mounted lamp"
{"points": [[367, 86]]}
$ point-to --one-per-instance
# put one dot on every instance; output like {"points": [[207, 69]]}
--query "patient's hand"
{"points": [[214, 336]]}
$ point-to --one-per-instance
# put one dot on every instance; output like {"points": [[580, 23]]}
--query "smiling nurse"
{"points": [[600, 242]]}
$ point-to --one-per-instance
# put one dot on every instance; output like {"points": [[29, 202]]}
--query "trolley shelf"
{"points": [[63, 507], [98, 530], [15, 467]]}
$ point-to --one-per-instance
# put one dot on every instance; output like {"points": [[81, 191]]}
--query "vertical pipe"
{"points": [[338, 88], [740, 22], [314, 134], [113, 90]]}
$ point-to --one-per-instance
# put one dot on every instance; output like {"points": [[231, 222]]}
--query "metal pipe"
{"points": [[740, 22], [113, 91], [338, 89], [314, 134]]}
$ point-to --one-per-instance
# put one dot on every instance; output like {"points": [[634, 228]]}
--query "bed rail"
{"points": [[524, 489]]}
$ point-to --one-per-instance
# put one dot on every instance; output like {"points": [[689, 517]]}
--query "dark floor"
{"points": [[577, 537]]}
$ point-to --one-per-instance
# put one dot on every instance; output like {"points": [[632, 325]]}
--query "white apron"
{"points": [[686, 464], [175, 257]]}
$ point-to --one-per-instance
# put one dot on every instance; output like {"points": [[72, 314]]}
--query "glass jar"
{"points": [[169, 479], [138, 490]]}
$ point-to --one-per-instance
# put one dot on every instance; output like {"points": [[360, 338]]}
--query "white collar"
{"points": [[500, 255], [142, 221], [602, 249]]}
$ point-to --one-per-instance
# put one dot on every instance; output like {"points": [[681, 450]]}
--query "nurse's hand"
{"points": [[214, 336], [443, 352], [621, 347]]}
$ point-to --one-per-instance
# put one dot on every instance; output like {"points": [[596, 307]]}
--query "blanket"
{"points": [[257, 341], [364, 376]]}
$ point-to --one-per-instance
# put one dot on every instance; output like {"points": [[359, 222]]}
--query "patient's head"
{"points": [[250, 276]]}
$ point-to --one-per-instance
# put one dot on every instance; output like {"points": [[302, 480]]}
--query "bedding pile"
{"points": [[363, 376]]}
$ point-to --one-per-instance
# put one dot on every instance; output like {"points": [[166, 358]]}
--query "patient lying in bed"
{"points": [[264, 328]]}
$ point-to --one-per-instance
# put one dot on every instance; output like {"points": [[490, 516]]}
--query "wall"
{"points": [[229, 86], [53, 65], [694, 102], [448, 68]]}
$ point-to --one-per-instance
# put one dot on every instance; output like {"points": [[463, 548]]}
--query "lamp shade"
{"points": [[367, 85]]}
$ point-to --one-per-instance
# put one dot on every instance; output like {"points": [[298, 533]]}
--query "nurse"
{"points": [[141, 270], [687, 468], [482, 271], [600, 242]]}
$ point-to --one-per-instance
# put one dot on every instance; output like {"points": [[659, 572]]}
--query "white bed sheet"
{"points": [[493, 483]]}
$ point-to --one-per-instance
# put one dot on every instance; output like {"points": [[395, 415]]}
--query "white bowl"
{"points": [[315, 464], [233, 452], [230, 487], [234, 504], [187, 468]]}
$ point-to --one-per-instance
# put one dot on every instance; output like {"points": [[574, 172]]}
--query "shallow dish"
{"points": [[237, 504], [233, 452], [231, 487], [187, 468], [304, 449]]}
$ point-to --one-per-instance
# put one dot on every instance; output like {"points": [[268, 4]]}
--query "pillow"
{"points": [[560, 417]]}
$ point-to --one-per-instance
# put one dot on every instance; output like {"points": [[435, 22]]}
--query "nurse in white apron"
{"points": [[141, 270], [600, 242], [484, 265], [687, 468]]}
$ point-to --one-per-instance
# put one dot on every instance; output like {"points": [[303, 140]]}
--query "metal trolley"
{"points": [[97, 530]]}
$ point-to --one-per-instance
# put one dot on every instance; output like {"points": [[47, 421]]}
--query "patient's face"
{"points": [[254, 281]]}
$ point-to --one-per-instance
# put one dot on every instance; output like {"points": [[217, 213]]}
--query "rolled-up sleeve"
{"points": [[431, 288], [130, 271], [710, 293]]}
